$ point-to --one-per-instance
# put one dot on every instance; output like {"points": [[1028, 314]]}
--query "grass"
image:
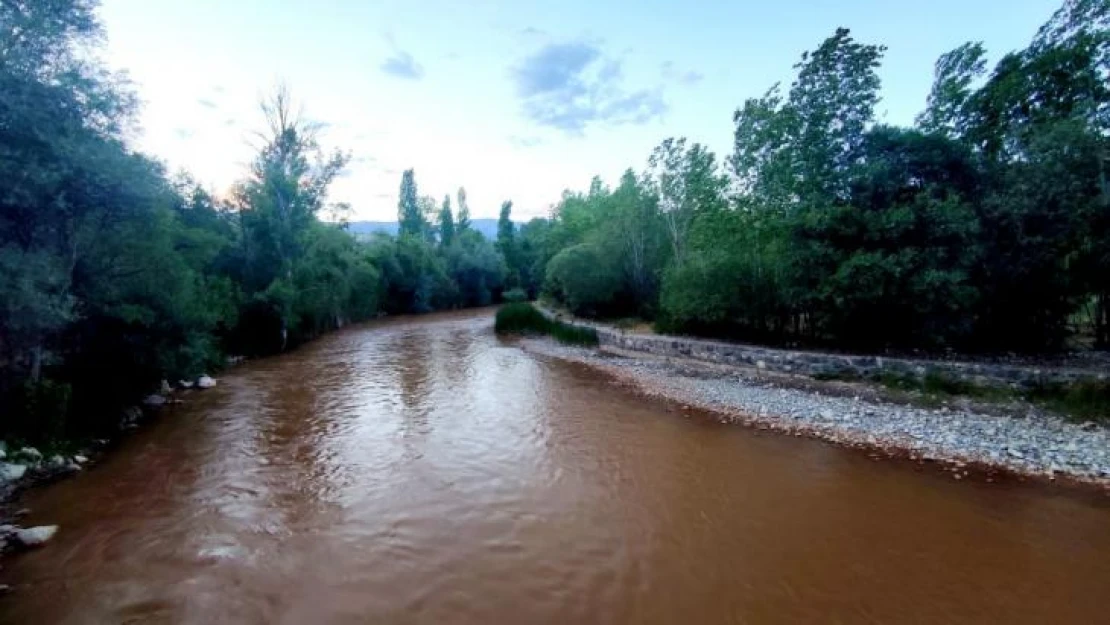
{"points": [[523, 318], [1085, 400]]}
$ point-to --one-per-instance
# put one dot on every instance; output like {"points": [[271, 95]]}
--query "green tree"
{"points": [[464, 211], [446, 223], [409, 216]]}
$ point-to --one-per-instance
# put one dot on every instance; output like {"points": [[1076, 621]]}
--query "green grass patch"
{"points": [[1085, 400], [523, 318]]}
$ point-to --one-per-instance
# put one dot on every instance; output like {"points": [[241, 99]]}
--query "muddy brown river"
{"points": [[421, 470]]}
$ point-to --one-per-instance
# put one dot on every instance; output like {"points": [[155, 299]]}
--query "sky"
{"points": [[511, 99]]}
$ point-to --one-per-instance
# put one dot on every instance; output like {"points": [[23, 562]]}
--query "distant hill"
{"points": [[487, 227]]}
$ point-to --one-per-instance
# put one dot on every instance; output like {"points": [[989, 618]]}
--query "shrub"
{"points": [[523, 318], [584, 279], [515, 295]]}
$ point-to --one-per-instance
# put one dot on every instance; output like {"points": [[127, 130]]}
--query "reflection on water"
{"points": [[422, 471]]}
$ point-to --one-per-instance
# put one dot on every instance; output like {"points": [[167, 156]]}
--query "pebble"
{"points": [[35, 536], [1039, 444]]}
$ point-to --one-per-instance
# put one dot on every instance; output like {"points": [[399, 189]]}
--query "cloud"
{"points": [[570, 86], [689, 78], [205, 102], [525, 142], [402, 65]]}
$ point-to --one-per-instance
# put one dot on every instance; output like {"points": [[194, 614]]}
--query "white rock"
{"points": [[3, 454], [205, 382], [9, 472], [79, 459], [166, 387], [31, 452], [184, 384], [759, 364], [35, 536], [57, 461], [154, 401]]}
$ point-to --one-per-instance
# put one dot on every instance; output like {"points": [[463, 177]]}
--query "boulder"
{"points": [[57, 462], [10, 472], [79, 459], [154, 401], [205, 382], [35, 536], [184, 384], [30, 453], [165, 389]]}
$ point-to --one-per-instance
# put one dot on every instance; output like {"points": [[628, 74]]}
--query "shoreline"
{"points": [[963, 440]]}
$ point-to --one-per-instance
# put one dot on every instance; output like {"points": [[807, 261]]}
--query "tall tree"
{"points": [[464, 212], [410, 220], [953, 78], [446, 223], [688, 183], [280, 200]]}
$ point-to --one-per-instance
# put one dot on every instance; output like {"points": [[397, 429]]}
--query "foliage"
{"points": [[523, 318], [986, 227]]}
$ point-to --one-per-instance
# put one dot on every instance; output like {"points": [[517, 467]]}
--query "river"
{"points": [[422, 470]]}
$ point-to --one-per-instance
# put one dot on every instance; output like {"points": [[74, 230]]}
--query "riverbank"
{"points": [[1034, 444]]}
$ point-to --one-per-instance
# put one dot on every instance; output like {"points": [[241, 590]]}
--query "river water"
{"points": [[421, 470]]}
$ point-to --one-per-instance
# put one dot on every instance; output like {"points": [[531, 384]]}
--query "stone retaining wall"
{"points": [[841, 365]]}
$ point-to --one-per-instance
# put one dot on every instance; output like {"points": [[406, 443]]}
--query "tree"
{"points": [[278, 203], [464, 212], [506, 243], [409, 217], [446, 223], [688, 184], [955, 72]]}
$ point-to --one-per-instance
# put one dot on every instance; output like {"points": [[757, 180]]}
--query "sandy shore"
{"points": [[1031, 444]]}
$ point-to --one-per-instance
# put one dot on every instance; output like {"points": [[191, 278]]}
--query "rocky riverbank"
{"points": [[27, 467], [1033, 443]]}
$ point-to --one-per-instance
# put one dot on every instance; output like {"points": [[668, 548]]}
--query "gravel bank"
{"points": [[1036, 445]]}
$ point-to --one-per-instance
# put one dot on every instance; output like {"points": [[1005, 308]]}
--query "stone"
{"points": [[35, 536], [79, 459], [827, 415], [3, 454], [184, 384], [56, 461], [30, 453], [165, 390], [154, 401], [10, 472], [205, 382]]}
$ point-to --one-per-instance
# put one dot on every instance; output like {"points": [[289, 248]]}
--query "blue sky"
{"points": [[511, 99]]}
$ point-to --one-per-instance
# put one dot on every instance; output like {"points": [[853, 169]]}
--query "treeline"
{"points": [[985, 226], [115, 276]]}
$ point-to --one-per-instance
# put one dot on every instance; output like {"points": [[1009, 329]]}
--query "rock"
{"points": [[35, 536], [184, 384], [79, 459], [165, 390], [5, 589], [30, 453], [56, 461], [11, 472], [759, 364], [205, 382], [22, 512], [3, 454], [827, 415], [153, 401]]}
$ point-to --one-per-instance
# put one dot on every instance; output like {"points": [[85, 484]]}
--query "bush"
{"points": [[523, 318], [584, 279], [515, 295]]}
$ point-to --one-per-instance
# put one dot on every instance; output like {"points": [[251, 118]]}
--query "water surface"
{"points": [[420, 470]]}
